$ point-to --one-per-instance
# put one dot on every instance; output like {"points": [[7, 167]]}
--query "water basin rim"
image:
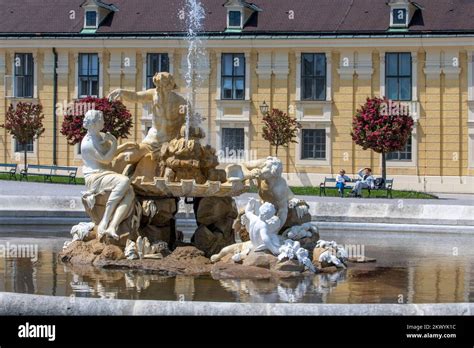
{"points": [[35, 305]]}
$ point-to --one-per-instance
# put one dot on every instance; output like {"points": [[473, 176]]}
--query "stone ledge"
{"points": [[34, 305]]}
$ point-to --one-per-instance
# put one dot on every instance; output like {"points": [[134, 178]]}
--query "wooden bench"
{"points": [[48, 172], [332, 184], [9, 168]]}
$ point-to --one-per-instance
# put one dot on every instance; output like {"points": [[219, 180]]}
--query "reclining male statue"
{"points": [[169, 111]]}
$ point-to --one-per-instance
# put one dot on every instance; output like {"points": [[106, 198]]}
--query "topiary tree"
{"points": [[25, 123], [383, 129], [280, 129], [117, 119]]}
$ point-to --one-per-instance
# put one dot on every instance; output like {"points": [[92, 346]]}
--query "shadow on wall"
{"points": [[304, 178]]}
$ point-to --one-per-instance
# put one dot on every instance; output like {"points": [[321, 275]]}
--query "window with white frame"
{"points": [[313, 76], [155, 63], [398, 76], [88, 74], [403, 155], [235, 19], [313, 144], [233, 76], [24, 75], [91, 19], [233, 139]]}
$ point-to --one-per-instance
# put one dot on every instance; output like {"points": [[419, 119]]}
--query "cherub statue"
{"points": [[263, 230], [271, 185], [98, 150]]}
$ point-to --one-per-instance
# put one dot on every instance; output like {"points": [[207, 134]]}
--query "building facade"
{"points": [[317, 60]]}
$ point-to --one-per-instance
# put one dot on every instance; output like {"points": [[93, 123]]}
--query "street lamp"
{"points": [[264, 108]]}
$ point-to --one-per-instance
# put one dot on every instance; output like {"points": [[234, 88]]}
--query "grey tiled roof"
{"points": [[161, 17]]}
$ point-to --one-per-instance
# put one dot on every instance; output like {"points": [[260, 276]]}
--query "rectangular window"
{"points": [[155, 63], [233, 139], [24, 75], [404, 155], [313, 76], [235, 19], [88, 74], [21, 147], [91, 19], [398, 76], [233, 76], [313, 144]]}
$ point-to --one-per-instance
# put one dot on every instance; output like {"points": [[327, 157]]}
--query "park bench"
{"points": [[331, 183], [387, 187], [9, 168], [48, 172]]}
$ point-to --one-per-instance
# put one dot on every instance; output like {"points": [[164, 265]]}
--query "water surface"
{"points": [[410, 268]]}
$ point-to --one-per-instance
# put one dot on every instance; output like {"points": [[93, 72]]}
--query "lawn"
{"points": [[39, 178], [332, 192], [302, 191]]}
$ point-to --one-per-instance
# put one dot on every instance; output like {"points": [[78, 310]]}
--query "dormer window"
{"points": [[401, 13], [95, 11], [91, 19], [399, 17], [239, 13], [235, 19]]}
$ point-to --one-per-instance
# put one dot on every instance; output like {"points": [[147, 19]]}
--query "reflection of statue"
{"points": [[169, 109], [98, 150], [262, 229]]}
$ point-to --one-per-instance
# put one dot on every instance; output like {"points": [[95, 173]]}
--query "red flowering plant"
{"points": [[117, 119], [25, 123], [381, 128], [280, 129]]}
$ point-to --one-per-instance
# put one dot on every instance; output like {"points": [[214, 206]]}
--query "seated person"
{"points": [[367, 181], [341, 180]]}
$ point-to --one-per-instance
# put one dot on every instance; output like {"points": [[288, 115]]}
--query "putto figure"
{"points": [[98, 150], [263, 230], [271, 185]]}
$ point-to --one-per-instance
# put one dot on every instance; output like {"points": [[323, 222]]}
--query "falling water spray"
{"points": [[194, 16]]}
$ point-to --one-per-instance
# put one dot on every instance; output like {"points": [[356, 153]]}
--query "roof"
{"points": [[100, 3], [136, 17]]}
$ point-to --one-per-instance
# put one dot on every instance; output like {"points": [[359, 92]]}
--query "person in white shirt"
{"points": [[341, 180], [367, 181]]}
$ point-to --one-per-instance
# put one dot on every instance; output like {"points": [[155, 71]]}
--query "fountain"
{"points": [[133, 192], [194, 23]]}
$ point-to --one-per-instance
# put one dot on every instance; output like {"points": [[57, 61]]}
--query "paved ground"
{"points": [[16, 188]]}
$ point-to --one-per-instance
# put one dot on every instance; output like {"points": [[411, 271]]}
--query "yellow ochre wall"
{"points": [[442, 149]]}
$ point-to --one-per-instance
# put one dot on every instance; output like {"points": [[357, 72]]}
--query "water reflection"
{"points": [[425, 272]]}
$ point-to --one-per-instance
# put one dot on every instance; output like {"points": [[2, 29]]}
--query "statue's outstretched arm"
{"points": [[131, 96]]}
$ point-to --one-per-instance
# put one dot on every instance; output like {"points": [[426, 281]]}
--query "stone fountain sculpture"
{"points": [[133, 191]]}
